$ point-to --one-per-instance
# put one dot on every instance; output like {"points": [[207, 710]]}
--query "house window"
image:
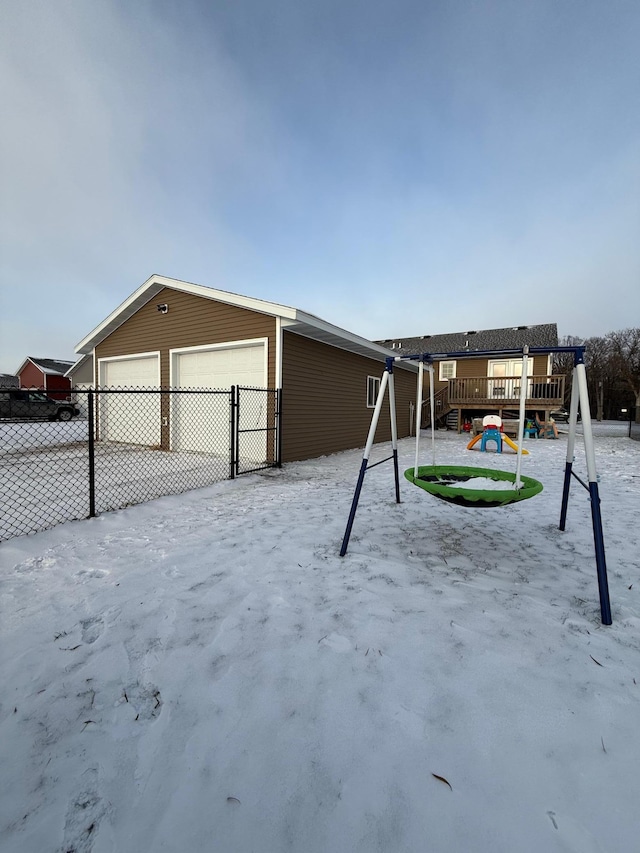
{"points": [[505, 377], [447, 370], [373, 386]]}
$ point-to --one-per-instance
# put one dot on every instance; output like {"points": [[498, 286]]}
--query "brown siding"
{"points": [[469, 368], [325, 399], [540, 365], [191, 321]]}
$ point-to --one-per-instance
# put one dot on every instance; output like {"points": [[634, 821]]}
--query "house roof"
{"points": [[509, 338], [50, 366], [292, 319], [8, 380], [76, 365]]}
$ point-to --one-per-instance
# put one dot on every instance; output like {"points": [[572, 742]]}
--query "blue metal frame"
{"points": [[364, 467], [592, 487]]}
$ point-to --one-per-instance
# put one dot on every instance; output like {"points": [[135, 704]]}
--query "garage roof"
{"points": [[294, 320]]}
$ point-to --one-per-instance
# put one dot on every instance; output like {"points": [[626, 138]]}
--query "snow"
{"points": [[204, 672], [29, 435], [484, 484]]}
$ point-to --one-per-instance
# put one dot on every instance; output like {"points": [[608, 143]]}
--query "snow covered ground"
{"points": [[204, 672]]}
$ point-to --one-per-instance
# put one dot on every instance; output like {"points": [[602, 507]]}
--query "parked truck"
{"points": [[21, 404]]}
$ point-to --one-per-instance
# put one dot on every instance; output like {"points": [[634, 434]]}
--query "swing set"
{"points": [[457, 483]]}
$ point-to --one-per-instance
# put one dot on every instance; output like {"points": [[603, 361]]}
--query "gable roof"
{"points": [[76, 365], [8, 380], [50, 366], [292, 319], [511, 337]]}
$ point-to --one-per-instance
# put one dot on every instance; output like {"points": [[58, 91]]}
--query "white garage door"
{"points": [[200, 422], [130, 418]]}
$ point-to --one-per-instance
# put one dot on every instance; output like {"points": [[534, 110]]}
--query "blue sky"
{"points": [[398, 168]]}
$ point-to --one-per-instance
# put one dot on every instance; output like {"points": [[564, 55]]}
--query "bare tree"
{"points": [[625, 357], [563, 363], [597, 358]]}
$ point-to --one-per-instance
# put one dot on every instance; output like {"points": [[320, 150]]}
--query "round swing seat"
{"points": [[447, 482]]}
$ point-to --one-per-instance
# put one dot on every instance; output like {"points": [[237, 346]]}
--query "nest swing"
{"points": [[446, 482]]}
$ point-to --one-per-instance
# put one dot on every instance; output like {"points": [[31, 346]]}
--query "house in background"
{"points": [[471, 387], [46, 374], [80, 374], [173, 334], [8, 380]]}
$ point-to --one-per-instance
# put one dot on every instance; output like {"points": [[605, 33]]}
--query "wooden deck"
{"points": [[543, 392]]}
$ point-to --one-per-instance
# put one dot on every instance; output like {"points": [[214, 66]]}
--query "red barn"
{"points": [[46, 374]]}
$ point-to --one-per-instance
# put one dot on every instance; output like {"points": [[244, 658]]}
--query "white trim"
{"points": [[42, 369], [129, 357], [249, 342], [153, 285], [300, 322], [511, 360], [452, 361], [278, 377], [82, 360], [226, 345], [24, 364], [376, 389]]}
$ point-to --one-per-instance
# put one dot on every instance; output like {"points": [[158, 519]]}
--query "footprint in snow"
{"points": [[574, 837], [144, 699], [92, 629], [84, 814]]}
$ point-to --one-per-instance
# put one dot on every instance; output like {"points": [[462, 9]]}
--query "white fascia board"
{"points": [[341, 338], [300, 322], [154, 285], [79, 363], [24, 364], [46, 371]]}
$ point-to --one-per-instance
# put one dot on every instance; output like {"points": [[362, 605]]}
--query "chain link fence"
{"points": [[128, 446]]}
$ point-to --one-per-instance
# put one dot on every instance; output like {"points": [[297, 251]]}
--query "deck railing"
{"points": [[496, 391]]}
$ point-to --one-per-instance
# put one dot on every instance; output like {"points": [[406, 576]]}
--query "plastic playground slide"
{"points": [[505, 439]]}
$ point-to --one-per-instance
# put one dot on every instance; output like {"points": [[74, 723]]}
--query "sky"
{"points": [[398, 169], [190, 675]]}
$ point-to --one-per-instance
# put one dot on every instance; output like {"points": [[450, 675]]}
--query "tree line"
{"points": [[613, 373]]}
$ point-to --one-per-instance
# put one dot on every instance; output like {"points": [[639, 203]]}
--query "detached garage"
{"points": [[139, 371], [217, 366], [173, 334]]}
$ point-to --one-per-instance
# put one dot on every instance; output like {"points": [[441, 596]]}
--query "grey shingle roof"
{"points": [[8, 380], [513, 337], [52, 365]]}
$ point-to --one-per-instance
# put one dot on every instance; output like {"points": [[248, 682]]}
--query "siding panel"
{"points": [[190, 321], [325, 399]]}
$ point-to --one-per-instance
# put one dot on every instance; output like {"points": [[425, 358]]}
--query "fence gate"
{"points": [[256, 429], [130, 445]]}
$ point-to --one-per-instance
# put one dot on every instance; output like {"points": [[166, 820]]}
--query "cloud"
{"points": [[384, 167]]}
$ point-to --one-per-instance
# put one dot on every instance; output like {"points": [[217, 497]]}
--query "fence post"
{"points": [[92, 455], [232, 448], [279, 428]]}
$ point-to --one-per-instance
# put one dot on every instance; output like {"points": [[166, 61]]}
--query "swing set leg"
{"points": [[354, 507]]}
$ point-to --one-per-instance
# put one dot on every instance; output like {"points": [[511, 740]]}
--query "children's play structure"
{"points": [[470, 486], [492, 431]]}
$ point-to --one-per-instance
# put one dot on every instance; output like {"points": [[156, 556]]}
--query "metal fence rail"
{"points": [[128, 446]]}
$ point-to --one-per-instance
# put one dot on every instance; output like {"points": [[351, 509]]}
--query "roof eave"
{"points": [[82, 360], [24, 364], [310, 326], [153, 285], [296, 321]]}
